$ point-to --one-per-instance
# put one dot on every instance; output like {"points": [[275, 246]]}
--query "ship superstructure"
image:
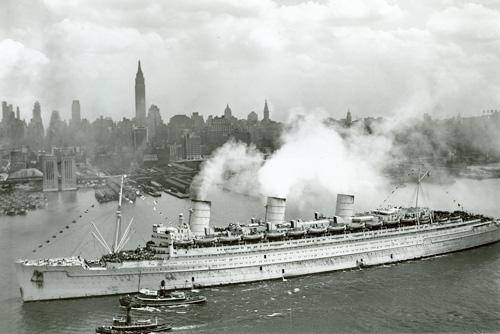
{"points": [[195, 254]]}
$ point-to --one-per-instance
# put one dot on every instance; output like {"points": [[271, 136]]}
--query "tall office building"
{"points": [[140, 137], [75, 112], [37, 112], [140, 98], [36, 132], [266, 112]]}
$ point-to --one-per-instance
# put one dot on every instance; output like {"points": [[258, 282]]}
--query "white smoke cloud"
{"points": [[313, 165], [232, 166], [316, 159]]}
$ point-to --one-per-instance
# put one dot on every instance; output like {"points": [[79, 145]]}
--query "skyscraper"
{"points": [[140, 98], [37, 112], [75, 112], [266, 112]]}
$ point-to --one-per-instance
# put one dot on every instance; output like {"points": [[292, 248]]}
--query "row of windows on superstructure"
{"points": [[346, 244]]}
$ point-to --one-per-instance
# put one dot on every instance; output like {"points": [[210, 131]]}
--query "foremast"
{"points": [[118, 243]]}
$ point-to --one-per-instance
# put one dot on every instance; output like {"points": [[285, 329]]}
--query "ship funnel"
{"points": [[200, 216], [345, 205], [275, 210]]}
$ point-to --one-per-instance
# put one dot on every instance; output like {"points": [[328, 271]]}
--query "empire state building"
{"points": [[140, 98]]}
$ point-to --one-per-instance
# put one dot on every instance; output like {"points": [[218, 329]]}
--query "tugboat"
{"points": [[150, 297], [123, 325]]}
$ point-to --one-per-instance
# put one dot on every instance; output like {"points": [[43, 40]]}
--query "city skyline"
{"points": [[372, 58]]}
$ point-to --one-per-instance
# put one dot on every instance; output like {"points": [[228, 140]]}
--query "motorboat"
{"points": [[151, 297], [125, 325]]}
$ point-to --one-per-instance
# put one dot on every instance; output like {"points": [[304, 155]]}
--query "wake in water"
{"points": [[274, 314], [188, 327], [146, 309]]}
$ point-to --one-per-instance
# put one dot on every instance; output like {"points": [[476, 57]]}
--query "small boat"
{"points": [[252, 237], [275, 235], [204, 241], [122, 325], [424, 220], [183, 243], [391, 223], [228, 240], [296, 234], [316, 231], [373, 225], [339, 229], [355, 227], [150, 297], [408, 221]]}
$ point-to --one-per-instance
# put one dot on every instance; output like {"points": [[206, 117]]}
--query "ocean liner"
{"points": [[194, 254]]}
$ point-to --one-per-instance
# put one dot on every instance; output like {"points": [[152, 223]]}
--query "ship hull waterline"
{"points": [[77, 282]]}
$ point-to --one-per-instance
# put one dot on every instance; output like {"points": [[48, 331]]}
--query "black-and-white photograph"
{"points": [[249, 166]]}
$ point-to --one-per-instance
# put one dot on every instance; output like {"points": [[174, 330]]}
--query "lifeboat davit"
{"points": [[296, 234], [339, 229]]}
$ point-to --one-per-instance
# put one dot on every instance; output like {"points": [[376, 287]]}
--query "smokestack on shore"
{"points": [[275, 210], [345, 206], [200, 216]]}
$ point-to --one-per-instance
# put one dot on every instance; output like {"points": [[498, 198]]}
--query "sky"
{"points": [[375, 58]]}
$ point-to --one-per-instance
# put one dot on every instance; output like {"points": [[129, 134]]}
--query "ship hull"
{"points": [[322, 254]]}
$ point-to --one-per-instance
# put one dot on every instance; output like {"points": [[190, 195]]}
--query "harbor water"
{"points": [[453, 293]]}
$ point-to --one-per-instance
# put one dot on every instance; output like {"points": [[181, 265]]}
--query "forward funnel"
{"points": [[200, 216]]}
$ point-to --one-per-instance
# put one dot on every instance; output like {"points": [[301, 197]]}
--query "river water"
{"points": [[458, 292]]}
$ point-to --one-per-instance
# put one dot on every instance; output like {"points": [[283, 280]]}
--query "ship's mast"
{"points": [[418, 182], [418, 185], [118, 219]]}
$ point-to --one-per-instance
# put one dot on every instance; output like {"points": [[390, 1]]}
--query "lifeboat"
{"points": [[274, 235], [391, 223], [441, 220], [373, 225], [316, 231], [425, 220], [355, 227], [296, 234], [339, 229], [204, 241], [455, 219], [183, 243], [228, 240], [252, 238], [408, 221]]}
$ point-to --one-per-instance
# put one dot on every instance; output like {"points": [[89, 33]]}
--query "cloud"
{"points": [[21, 71], [372, 57]]}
